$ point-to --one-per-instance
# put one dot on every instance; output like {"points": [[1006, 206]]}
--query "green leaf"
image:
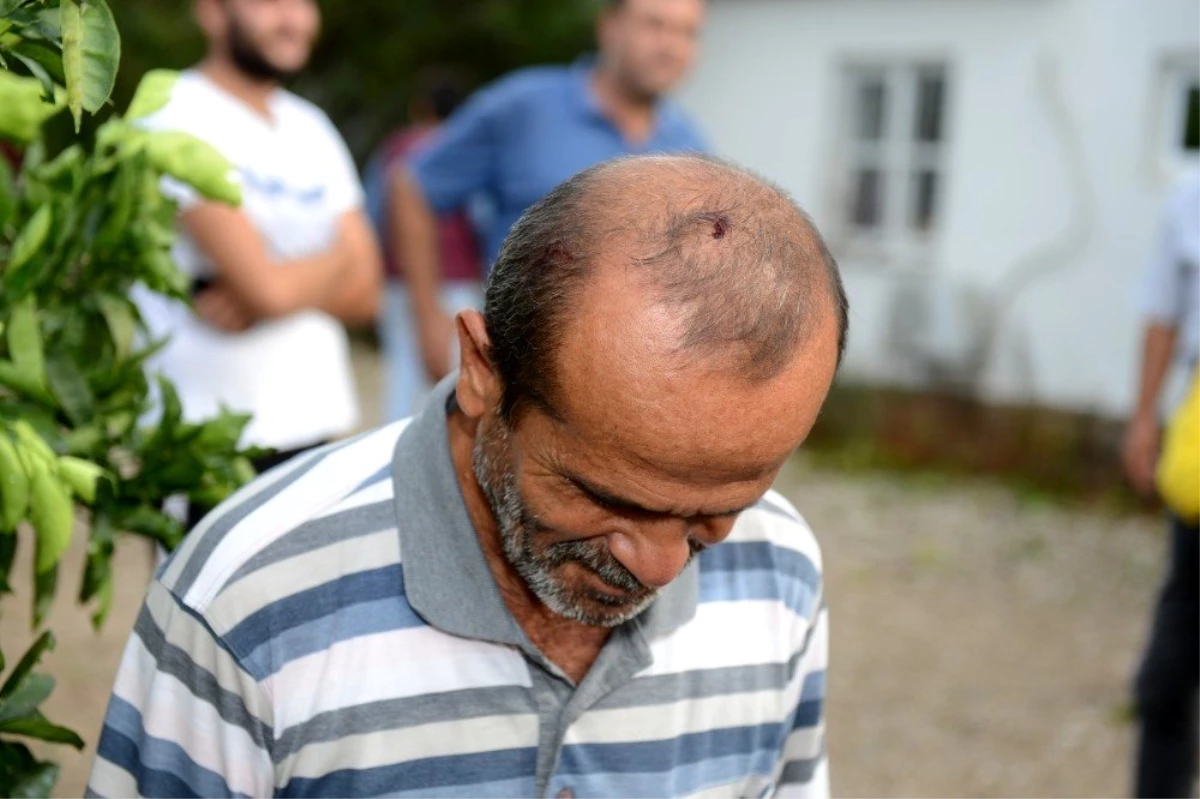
{"points": [[222, 433], [25, 698], [8, 193], [14, 379], [70, 388], [15, 758], [47, 56], [29, 240], [35, 725], [8, 551], [97, 576], [172, 409], [84, 439], [119, 207], [67, 164], [152, 93], [44, 643], [91, 50], [153, 524], [44, 24], [37, 783], [52, 512], [24, 111], [98, 569], [45, 583], [118, 314], [81, 476], [25, 343], [38, 71], [104, 603], [195, 162], [119, 423]]}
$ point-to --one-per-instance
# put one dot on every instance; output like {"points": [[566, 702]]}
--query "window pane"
{"points": [[924, 199], [869, 117], [866, 199], [1191, 119], [930, 97]]}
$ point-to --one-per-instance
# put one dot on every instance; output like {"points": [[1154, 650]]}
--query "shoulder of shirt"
{"points": [[268, 522], [293, 103], [774, 521], [528, 82]]}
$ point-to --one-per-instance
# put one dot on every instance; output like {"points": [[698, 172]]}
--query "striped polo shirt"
{"points": [[334, 630]]}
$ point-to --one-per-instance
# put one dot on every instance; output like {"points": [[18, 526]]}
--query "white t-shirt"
{"points": [[298, 179]]}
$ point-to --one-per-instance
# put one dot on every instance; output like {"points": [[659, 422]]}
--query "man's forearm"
{"points": [[356, 299], [264, 287], [302, 283], [414, 239], [1158, 346]]}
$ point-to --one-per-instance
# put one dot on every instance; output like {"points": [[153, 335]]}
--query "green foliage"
{"points": [[78, 230], [370, 50], [91, 50]]}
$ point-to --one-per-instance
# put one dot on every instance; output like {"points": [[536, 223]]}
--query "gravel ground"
{"points": [[981, 646]]}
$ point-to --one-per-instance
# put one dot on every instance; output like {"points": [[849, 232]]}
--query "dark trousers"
{"points": [[1168, 679], [261, 464]]}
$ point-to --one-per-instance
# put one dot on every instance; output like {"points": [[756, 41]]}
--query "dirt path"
{"points": [[981, 647]]}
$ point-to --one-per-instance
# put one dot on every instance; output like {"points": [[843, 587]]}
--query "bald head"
{"points": [[730, 273]]}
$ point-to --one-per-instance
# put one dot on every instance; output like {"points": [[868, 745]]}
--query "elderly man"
{"points": [[566, 576]]}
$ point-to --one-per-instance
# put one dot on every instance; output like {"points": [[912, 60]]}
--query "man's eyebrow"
{"points": [[606, 497]]}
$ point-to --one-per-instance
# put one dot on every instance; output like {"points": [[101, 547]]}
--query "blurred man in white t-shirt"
{"points": [[274, 278]]}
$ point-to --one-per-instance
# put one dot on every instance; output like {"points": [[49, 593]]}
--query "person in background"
{"points": [[518, 138], [1169, 675], [437, 93], [276, 277]]}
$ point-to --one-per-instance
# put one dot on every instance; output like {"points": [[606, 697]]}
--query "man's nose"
{"points": [[656, 552]]}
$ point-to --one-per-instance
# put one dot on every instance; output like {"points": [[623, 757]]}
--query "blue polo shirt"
{"points": [[521, 136]]}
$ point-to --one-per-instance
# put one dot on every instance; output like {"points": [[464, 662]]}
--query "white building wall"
{"points": [[1053, 171]]}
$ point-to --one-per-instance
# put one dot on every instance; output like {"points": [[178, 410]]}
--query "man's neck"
{"points": [[254, 93], [632, 114], [571, 645]]}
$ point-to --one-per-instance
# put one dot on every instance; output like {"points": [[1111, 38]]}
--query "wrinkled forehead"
{"points": [[623, 392]]}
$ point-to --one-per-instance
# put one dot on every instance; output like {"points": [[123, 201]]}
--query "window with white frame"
{"points": [[894, 137]]}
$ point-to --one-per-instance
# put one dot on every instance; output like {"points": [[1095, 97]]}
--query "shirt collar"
{"points": [[446, 578]]}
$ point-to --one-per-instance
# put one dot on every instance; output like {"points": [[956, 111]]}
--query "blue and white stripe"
{"points": [[277, 654]]}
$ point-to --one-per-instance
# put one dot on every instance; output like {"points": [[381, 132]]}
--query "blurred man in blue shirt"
{"points": [[518, 138]]}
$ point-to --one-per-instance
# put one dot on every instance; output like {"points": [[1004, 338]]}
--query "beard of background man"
{"points": [[249, 60], [249, 55]]}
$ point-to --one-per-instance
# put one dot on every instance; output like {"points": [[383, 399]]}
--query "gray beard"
{"points": [[517, 527]]}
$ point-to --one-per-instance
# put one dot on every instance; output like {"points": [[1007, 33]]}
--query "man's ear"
{"points": [[478, 389]]}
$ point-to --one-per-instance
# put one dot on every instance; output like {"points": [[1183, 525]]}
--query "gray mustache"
{"points": [[599, 561]]}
